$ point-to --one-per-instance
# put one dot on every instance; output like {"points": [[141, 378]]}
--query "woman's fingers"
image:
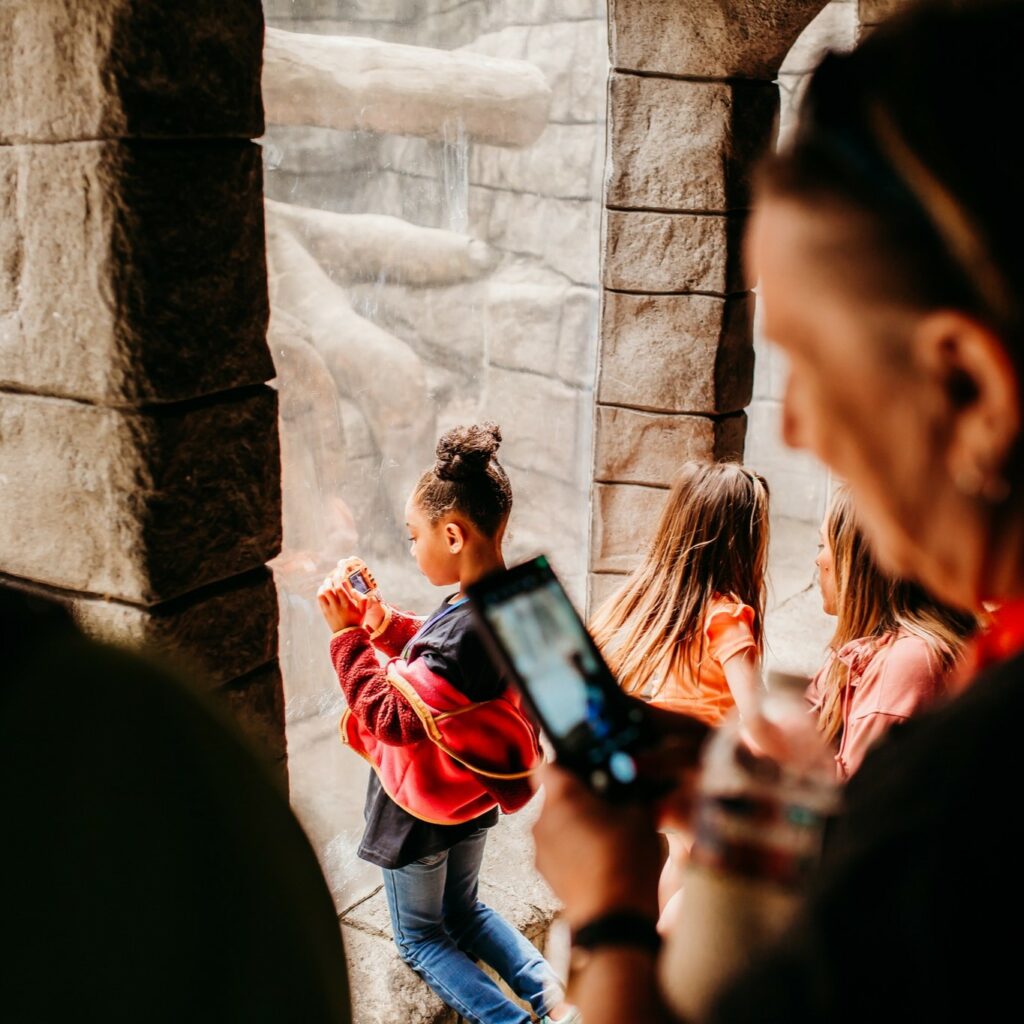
{"points": [[595, 856]]}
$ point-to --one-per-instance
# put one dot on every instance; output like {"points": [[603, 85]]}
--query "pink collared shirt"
{"points": [[891, 678]]}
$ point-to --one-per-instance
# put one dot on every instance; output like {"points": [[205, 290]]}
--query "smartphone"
{"points": [[534, 634]]}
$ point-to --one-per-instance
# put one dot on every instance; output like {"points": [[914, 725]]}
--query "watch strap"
{"points": [[619, 928]]}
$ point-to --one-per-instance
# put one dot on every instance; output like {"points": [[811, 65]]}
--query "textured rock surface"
{"points": [[256, 702], [361, 84], [673, 252], [388, 990], [564, 50], [114, 68], [648, 448], [543, 227], [139, 507], [600, 587], [223, 634], [682, 145], [546, 415], [131, 272], [565, 162], [677, 353], [624, 520], [706, 38]]}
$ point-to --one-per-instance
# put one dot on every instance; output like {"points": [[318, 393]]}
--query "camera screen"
{"points": [[552, 654], [358, 581]]}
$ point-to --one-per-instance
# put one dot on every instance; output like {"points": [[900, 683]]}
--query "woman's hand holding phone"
{"points": [[623, 862]]}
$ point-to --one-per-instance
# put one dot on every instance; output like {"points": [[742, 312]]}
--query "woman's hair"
{"points": [[907, 140], [712, 540], [467, 479], [870, 603]]}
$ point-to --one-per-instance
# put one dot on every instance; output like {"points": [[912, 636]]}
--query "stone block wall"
{"points": [[692, 104], [138, 442]]}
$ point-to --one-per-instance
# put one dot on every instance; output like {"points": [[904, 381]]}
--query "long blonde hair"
{"points": [[712, 540], [871, 603]]}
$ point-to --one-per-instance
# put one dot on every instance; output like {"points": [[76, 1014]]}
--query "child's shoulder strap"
{"points": [[432, 721]]}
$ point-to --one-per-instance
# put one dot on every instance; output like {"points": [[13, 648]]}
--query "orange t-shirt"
{"points": [[704, 693]]}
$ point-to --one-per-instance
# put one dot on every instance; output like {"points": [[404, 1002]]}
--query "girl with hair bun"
{"points": [[447, 740]]}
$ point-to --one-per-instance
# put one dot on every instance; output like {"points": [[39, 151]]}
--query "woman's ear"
{"points": [[980, 395], [454, 537]]}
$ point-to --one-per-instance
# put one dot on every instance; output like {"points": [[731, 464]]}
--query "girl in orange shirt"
{"points": [[684, 631]]}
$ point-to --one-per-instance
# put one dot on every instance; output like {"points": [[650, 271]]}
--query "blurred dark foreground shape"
{"points": [[152, 869]]}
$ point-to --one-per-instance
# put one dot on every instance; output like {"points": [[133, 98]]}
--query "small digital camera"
{"points": [[362, 582]]}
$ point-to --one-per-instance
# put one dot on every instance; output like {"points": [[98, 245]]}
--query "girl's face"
{"points": [[435, 546], [826, 572], [859, 397]]}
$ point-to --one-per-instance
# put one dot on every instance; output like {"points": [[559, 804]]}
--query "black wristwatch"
{"points": [[616, 928]]}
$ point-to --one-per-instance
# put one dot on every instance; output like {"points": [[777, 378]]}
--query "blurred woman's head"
{"points": [[888, 244], [869, 603]]}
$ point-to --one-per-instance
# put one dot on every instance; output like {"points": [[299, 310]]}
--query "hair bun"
{"points": [[466, 451]]}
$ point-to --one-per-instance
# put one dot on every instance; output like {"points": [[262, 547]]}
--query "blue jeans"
{"points": [[441, 927]]}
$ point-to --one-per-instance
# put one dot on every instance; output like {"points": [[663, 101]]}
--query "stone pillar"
{"points": [[692, 105], [139, 474]]}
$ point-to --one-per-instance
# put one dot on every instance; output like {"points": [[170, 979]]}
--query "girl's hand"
{"points": [[373, 614], [339, 605], [596, 858], [373, 609]]}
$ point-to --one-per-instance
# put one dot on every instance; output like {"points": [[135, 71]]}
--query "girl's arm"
{"points": [[371, 698], [730, 638], [743, 674], [391, 629]]}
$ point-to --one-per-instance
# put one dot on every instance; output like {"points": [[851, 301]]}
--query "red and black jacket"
{"points": [[440, 756]]}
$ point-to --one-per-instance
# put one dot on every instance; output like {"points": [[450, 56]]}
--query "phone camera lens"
{"points": [[622, 767]]}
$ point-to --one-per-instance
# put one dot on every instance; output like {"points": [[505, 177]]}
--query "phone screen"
{"points": [[532, 621], [358, 581]]}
